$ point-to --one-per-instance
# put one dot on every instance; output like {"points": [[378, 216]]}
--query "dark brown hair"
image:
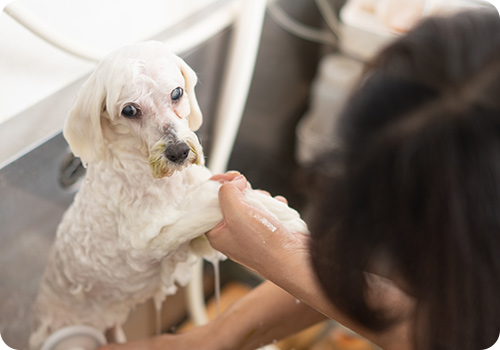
{"points": [[419, 183]]}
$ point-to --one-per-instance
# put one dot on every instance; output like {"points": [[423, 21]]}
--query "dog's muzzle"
{"points": [[166, 157]]}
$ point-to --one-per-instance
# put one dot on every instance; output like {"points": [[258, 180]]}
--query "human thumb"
{"points": [[231, 197], [240, 182]]}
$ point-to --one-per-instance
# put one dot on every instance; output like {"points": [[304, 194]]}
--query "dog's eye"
{"points": [[176, 94], [130, 111]]}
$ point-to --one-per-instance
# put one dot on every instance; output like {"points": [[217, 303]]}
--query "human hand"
{"points": [[249, 235], [226, 177], [198, 338], [240, 181]]}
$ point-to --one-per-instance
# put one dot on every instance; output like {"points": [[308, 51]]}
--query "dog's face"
{"points": [[140, 98]]}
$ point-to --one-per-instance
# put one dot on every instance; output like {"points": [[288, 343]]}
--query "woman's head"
{"points": [[419, 183]]}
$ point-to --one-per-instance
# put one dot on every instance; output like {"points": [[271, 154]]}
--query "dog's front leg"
{"points": [[198, 213]]}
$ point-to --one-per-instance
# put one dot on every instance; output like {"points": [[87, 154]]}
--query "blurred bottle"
{"points": [[334, 80]]}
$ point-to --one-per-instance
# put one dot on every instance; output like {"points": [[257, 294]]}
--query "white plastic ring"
{"points": [[75, 338]]}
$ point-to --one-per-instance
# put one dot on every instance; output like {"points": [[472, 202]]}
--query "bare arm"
{"points": [[267, 313], [263, 315]]}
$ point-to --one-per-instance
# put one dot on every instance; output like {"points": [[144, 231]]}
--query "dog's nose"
{"points": [[177, 153]]}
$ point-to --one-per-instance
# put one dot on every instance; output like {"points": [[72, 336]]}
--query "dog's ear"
{"points": [[195, 117], [82, 129]]}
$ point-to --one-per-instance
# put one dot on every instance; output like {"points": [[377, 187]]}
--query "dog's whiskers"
{"points": [[162, 167]]}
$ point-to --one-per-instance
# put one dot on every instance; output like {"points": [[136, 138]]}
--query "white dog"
{"points": [[126, 237]]}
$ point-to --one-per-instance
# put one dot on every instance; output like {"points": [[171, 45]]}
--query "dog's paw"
{"points": [[287, 216]]}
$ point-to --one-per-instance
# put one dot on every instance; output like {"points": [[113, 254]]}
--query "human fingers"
{"points": [[226, 177], [235, 178], [281, 199]]}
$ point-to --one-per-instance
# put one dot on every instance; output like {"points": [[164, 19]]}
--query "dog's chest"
{"points": [[114, 216]]}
